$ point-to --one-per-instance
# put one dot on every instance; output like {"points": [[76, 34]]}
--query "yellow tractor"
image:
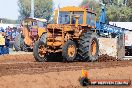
{"points": [[73, 35], [32, 29]]}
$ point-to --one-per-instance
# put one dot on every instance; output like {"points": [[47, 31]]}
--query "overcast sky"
{"points": [[9, 8]]}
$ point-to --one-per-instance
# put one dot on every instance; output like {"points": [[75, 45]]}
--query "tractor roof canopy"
{"points": [[34, 22], [35, 19], [66, 14]]}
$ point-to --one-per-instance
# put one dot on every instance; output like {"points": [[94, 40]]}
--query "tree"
{"points": [[120, 11], [90, 4], [43, 8]]}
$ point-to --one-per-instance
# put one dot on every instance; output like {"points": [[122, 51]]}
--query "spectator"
{"points": [[15, 34], [2, 34], [4, 48], [9, 31]]}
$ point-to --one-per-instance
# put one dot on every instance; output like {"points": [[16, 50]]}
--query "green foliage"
{"points": [[90, 4], [43, 8], [119, 12]]}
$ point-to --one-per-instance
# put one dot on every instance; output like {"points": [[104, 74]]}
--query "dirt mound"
{"points": [[107, 58]]}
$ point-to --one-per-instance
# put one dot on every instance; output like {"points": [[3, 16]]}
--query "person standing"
{"points": [[2, 40]]}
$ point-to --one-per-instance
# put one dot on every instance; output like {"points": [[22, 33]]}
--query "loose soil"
{"points": [[22, 71]]}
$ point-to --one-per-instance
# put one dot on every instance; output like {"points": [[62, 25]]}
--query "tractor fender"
{"points": [[43, 37]]}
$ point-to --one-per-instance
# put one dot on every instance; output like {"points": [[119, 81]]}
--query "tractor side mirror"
{"points": [[77, 18]]}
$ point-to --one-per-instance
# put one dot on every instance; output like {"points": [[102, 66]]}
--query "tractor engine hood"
{"points": [[56, 26]]}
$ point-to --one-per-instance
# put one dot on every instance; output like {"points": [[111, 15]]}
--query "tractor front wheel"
{"points": [[24, 47], [18, 42], [69, 51], [39, 51]]}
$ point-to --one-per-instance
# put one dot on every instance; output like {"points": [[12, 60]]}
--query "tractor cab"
{"points": [[32, 29], [75, 15], [35, 26], [70, 18]]}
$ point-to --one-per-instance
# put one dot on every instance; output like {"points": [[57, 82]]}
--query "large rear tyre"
{"points": [[39, 51], [89, 47], [69, 51], [18, 42]]}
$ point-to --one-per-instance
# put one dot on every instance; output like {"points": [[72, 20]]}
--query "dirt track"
{"points": [[17, 64], [64, 79], [25, 66]]}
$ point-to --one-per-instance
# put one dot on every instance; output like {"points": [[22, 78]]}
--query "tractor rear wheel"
{"points": [[18, 42], [39, 51], [89, 46], [24, 47], [69, 51]]}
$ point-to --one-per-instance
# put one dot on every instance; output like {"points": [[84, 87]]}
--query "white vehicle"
{"points": [[128, 43]]}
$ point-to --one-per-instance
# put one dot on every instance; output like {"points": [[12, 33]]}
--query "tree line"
{"points": [[117, 10], [42, 8]]}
